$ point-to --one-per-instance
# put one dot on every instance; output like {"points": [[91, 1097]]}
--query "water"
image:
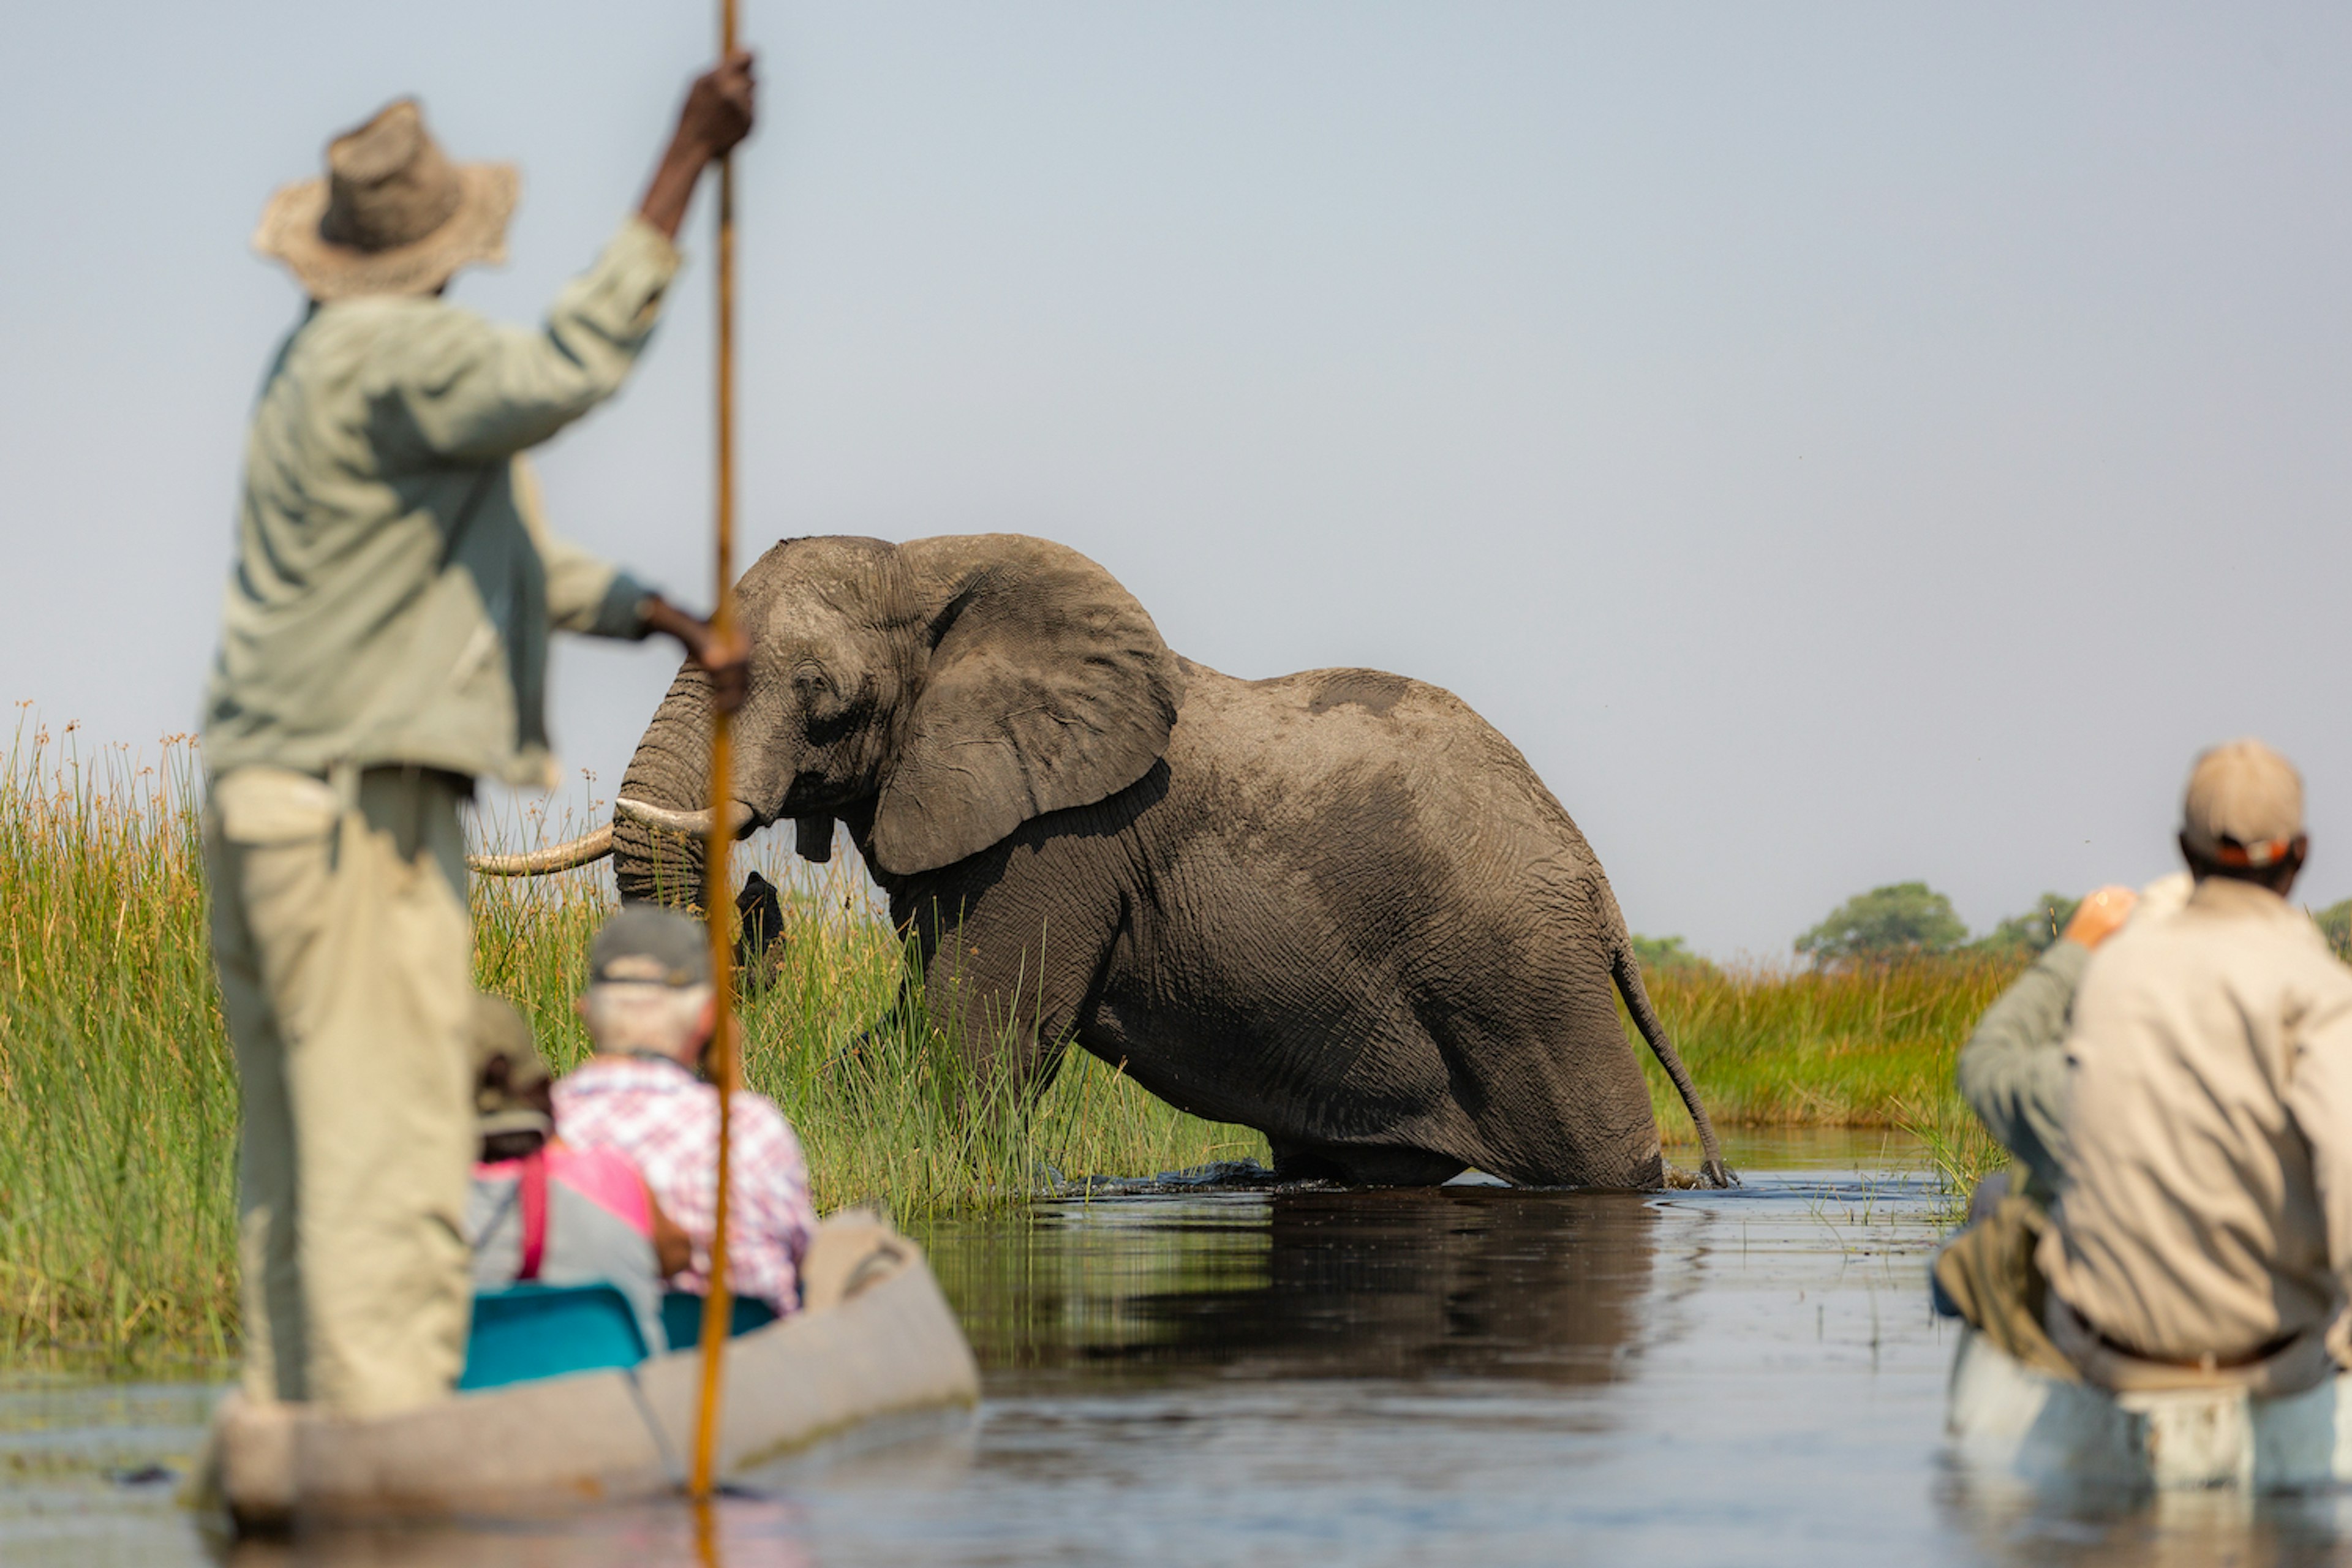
{"points": [[1465, 1374]]}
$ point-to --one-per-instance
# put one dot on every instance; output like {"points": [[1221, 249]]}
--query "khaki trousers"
{"points": [[345, 956]]}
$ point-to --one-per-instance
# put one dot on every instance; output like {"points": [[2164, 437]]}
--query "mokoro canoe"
{"points": [[2005, 1416], [876, 1338]]}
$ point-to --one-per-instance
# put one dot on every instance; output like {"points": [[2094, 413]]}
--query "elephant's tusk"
{"points": [[741, 818], [561, 857]]}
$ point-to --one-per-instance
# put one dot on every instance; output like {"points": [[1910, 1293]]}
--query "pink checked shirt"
{"points": [[667, 1121]]}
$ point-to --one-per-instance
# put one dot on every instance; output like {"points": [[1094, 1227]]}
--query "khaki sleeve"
{"points": [[585, 594], [2320, 1096], [473, 391], [2013, 1071]]}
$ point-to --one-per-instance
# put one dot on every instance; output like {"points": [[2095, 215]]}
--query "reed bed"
{"points": [[117, 1097], [1866, 1046], [879, 1091], [118, 1088], [119, 1104]]}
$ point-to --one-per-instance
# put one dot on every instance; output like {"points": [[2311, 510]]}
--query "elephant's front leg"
{"points": [[1008, 985]]}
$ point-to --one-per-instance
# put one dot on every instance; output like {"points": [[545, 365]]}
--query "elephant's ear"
{"points": [[1047, 687]]}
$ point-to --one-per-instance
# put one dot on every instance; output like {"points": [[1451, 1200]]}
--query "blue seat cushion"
{"points": [[682, 1318], [528, 1332]]}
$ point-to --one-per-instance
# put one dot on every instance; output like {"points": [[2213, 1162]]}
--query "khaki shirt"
{"points": [[2208, 1203], [395, 582]]}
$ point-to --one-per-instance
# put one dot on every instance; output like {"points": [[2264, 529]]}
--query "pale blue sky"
{"points": [[1837, 443]]}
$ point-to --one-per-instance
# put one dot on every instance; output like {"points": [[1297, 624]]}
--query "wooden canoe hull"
{"points": [[885, 1341]]}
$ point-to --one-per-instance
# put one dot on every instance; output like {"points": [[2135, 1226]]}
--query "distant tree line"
{"points": [[1911, 920]]}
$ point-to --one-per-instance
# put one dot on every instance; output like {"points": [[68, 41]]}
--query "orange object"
{"points": [[718, 907]]}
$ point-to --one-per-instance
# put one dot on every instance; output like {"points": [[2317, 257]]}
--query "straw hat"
{"points": [[394, 216]]}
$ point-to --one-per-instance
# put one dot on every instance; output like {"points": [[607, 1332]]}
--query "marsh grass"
{"points": [[879, 1088], [117, 1095], [1957, 1148], [118, 1098], [118, 1092], [1864, 1046]]}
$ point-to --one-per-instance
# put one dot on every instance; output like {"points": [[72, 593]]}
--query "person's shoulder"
{"points": [[398, 333], [590, 1074], [389, 315], [601, 1076], [762, 1117], [2266, 942], [2315, 962], [2143, 963], [2139, 945]]}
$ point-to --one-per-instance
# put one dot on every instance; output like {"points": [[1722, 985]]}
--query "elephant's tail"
{"points": [[1628, 970]]}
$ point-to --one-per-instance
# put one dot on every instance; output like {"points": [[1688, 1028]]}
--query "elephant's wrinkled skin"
{"points": [[1336, 906]]}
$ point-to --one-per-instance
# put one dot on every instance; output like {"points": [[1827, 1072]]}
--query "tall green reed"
{"points": [[117, 1095], [881, 1086], [118, 1092], [1862, 1047]]}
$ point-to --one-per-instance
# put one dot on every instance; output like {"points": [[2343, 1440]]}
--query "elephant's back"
{"points": [[1368, 734]]}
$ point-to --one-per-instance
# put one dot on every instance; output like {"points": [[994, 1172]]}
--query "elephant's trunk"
{"points": [[661, 816], [657, 834]]}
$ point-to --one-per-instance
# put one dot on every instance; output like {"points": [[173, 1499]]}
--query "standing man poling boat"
{"points": [[384, 644]]}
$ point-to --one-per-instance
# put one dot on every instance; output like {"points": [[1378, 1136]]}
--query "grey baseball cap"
{"points": [[2244, 805], [648, 944]]}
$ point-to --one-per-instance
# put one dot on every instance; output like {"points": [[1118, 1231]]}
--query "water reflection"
{"points": [[1318, 1378], [2139, 1531], [2006, 1522], [1444, 1282], [737, 1533]]}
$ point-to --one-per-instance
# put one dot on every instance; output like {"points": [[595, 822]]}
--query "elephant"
{"points": [[1336, 906]]}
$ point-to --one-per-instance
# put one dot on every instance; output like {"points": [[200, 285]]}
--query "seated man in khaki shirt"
{"points": [[2204, 1219]]}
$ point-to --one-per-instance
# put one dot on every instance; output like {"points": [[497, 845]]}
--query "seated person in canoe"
{"points": [[2191, 1131], [649, 1007], [545, 1211]]}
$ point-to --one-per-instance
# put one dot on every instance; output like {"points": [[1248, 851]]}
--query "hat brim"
{"points": [[476, 233]]}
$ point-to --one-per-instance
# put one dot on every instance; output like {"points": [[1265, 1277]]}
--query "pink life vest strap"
{"points": [[532, 1188]]}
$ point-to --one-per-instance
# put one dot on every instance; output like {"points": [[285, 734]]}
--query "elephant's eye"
{"points": [[821, 701]]}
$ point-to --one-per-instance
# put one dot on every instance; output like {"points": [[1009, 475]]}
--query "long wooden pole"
{"points": [[718, 907]]}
